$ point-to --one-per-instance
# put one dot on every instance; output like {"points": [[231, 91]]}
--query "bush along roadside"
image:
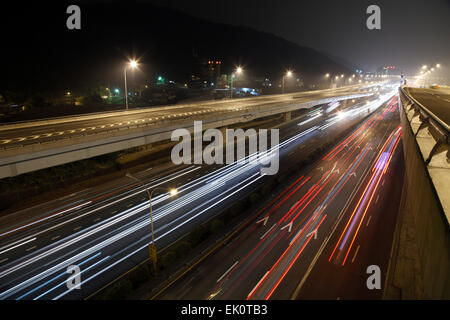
{"points": [[124, 286]]}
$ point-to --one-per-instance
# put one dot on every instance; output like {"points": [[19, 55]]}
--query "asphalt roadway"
{"points": [[317, 238], [435, 100], [36, 132], [105, 230]]}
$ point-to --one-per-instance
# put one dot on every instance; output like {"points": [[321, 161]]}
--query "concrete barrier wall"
{"points": [[423, 225]]}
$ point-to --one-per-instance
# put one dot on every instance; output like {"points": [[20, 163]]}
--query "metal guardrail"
{"points": [[427, 118], [427, 114]]}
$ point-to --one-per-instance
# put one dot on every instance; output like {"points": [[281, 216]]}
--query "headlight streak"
{"points": [[15, 245], [367, 195], [57, 277], [176, 227], [155, 183], [143, 206], [310, 119], [45, 218], [334, 191], [319, 209], [104, 243]]}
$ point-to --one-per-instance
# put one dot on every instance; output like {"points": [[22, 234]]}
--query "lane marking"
{"points": [[54, 238], [368, 221], [3, 260], [77, 228], [263, 277], [226, 272], [268, 231], [31, 248], [357, 249]]}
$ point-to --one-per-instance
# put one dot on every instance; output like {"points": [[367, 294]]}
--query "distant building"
{"points": [[387, 70], [206, 73]]}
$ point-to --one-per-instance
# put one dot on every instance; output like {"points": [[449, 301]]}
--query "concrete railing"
{"points": [[420, 259]]}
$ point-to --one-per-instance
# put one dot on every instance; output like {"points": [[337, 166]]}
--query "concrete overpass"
{"points": [[35, 145], [420, 258]]}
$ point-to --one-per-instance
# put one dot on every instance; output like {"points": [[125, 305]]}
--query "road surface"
{"points": [[316, 239], [105, 230]]}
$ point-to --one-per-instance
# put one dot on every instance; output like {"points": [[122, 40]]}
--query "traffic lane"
{"points": [[142, 237], [287, 131], [95, 194], [221, 264], [140, 227], [333, 281], [85, 216], [205, 277], [215, 270], [215, 293], [79, 235], [310, 247], [283, 129]]}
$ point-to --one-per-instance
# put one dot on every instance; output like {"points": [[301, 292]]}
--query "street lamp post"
{"points": [[238, 70], [172, 192], [288, 74], [132, 64]]}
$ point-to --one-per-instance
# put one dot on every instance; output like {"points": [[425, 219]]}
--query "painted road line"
{"points": [[254, 288], [268, 231], [368, 221], [228, 271], [356, 252]]}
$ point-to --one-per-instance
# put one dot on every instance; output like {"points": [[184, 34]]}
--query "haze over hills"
{"points": [[45, 56]]}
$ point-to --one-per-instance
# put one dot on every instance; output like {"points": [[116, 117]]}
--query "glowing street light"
{"points": [[132, 64], [424, 67], [438, 65], [288, 74], [237, 71]]}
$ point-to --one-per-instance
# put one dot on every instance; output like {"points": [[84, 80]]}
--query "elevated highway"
{"points": [[35, 145]]}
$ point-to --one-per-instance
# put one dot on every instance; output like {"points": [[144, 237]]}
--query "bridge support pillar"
{"points": [[287, 116]]}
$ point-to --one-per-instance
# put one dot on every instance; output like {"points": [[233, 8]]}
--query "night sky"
{"points": [[41, 54], [412, 32]]}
